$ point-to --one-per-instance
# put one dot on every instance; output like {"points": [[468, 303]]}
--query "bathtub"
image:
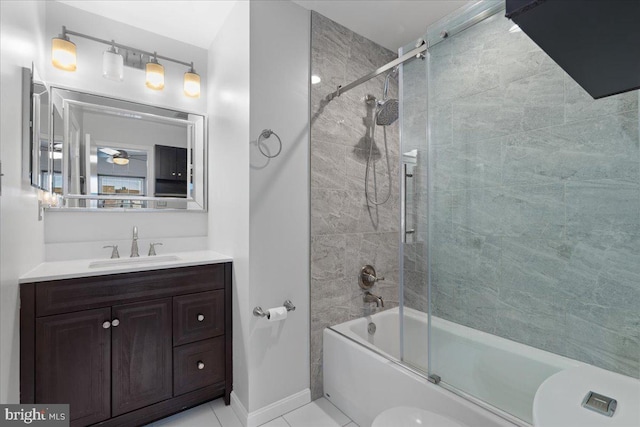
{"points": [[362, 375]]}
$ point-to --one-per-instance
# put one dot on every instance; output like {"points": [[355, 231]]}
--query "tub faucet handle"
{"points": [[368, 277]]}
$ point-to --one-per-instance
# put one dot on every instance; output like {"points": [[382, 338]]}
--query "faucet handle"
{"points": [[152, 248], [114, 252], [367, 277]]}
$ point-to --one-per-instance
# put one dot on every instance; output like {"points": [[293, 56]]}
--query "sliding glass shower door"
{"points": [[521, 217]]}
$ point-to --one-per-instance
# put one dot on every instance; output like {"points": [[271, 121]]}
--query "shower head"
{"points": [[387, 112]]}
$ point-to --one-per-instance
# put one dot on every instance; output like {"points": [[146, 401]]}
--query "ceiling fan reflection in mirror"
{"points": [[121, 157]]}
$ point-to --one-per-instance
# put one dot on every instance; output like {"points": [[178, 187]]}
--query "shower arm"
{"points": [[407, 56]]}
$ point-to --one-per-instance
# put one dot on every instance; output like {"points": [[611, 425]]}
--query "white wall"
{"points": [[73, 235], [228, 111], [259, 209], [21, 244], [279, 253]]}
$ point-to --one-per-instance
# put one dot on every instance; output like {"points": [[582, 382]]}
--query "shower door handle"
{"points": [[408, 174]]}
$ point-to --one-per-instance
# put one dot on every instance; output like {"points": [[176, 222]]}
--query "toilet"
{"points": [[407, 416]]}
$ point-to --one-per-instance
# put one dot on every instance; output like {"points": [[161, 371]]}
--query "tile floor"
{"points": [[319, 413]]}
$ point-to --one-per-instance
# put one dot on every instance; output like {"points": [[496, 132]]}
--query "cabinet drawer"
{"points": [[198, 316], [198, 365], [67, 295]]}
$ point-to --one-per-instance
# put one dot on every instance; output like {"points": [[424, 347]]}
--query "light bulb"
{"points": [[155, 75], [192, 84], [112, 65], [121, 158], [63, 53]]}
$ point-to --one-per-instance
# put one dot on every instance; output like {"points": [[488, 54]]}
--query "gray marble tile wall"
{"points": [[414, 140], [347, 233], [535, 208]]}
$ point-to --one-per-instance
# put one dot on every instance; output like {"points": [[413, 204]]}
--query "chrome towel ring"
{"points": [[265, 134]]}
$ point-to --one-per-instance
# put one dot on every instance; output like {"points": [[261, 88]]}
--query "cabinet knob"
{"points": [[115, 322], [200, 364], [173, 173], [179, 174], [200, 317], [106, 324]]}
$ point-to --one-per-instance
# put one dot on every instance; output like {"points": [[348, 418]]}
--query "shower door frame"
{"points": [[440, 31]]}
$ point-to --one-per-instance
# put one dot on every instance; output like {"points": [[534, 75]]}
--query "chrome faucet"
{"points": [[134, 243], [369, 297]]}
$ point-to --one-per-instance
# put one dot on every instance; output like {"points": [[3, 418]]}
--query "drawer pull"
{"points": [[115, 322], [200, 317], [200, 364], [106, 324]]}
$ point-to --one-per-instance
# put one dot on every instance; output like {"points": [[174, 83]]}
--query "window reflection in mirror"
{"points": [[118, 154]]}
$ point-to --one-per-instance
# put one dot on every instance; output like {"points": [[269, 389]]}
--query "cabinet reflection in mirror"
{"points": [[116, 154]]}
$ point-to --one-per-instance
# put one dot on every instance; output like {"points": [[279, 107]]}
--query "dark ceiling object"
{"points": [[597, 42]]}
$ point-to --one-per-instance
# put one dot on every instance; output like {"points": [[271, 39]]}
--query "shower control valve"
{"points": [[368, 277]]}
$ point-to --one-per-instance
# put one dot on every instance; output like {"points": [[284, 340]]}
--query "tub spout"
{"points": [[369, 297]]}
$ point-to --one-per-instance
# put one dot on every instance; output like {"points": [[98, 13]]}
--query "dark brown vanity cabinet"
{"points": [[127, 349]]}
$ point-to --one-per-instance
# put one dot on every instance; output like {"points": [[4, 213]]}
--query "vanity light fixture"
{"points": [[63, 52], [155, 74], [112, 64], [192, 83], [63, 57]]}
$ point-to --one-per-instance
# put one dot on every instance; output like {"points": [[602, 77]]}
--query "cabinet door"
{"points": [[141, 355], [165, 162], [73, 363], [181, 164]]}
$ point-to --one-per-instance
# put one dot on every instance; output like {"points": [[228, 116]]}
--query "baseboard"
{"points": [[239, 409], [269, 412]]}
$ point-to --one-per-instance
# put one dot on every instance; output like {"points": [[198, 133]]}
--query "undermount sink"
{"points": [[132, 261]]}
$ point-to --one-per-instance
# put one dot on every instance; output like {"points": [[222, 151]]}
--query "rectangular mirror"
{"points": [[108, 153]]}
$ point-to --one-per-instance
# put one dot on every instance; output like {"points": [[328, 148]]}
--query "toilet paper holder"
{"points": [[259, 312]]}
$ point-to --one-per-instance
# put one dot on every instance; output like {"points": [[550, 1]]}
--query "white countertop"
{"points": [[57, 270]]}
